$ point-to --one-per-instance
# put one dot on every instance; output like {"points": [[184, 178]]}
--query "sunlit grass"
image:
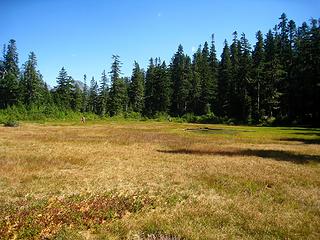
{"points": [[159, 180]]}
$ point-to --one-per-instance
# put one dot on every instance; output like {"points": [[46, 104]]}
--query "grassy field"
{"points": [[153, 180]]}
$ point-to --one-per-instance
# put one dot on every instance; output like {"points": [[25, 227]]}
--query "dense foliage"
{"points": [[278, 79]]}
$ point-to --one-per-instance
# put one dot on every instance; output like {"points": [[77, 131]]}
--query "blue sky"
{"points": [[82, 35]]}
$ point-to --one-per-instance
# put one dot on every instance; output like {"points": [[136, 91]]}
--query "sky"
{"points": [[83, 35]]}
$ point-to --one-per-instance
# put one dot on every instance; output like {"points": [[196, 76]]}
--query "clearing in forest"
{"points": [[158, 180]]}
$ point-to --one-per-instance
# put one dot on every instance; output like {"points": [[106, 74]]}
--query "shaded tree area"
{"points": [[277, 79]]}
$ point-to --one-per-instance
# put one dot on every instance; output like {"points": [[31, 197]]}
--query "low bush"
{"points": [[11, 123]]}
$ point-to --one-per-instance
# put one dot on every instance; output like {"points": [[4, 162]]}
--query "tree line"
{"points": [[278, 78]]}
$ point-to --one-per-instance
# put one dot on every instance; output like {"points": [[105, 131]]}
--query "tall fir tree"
{"points": [[213, 65], [162, 84], [118, 91], [181, 81], [32, 87], [64, 90], [273, 75], [136, 89], [149, 89], [84, 94], [224, 81], [245, 80], [103, 94], [9, 82], [77, 97], [207, 88], [93, 99], [283, 47], [257, 89], [195, 86], [234, 84]]}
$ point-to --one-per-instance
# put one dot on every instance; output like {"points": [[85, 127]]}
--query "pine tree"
{"points": [[9, 82], [77, 97], [93, 100], [195, 88], [157, 88], [64, 90], [234, 84], [224, 81], [150, 89], [257, 84], [273, 75], [213, 64], [181, 82], [47, 96], [283, 48], [307, 72], [207, 91], [118, 91], [2, 68], [85, 94], [315, 63], [103, 94], [245, 79], [284, 43], [163, 86], [136, 89], [32, 87]]}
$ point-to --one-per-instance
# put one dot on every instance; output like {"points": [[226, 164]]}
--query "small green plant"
{"points": [[11, 123]]}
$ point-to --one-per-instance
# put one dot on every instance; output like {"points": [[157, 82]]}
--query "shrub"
{"points": [[132, 115], [190, 118], [162, 116], [11, 123]]}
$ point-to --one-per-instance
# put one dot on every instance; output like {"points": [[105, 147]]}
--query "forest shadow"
{"points": [[303, 140], [277, 155], [302, 129], [217, 130], [307, 133]]}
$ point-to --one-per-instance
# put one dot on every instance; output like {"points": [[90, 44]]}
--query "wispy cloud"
{"points": [[193, 49], [159, 14]]}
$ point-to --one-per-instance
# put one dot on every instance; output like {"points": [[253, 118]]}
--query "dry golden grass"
{"points": [[147, 180]]}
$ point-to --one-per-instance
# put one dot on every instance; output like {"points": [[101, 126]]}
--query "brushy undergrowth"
{"points": [[52, 113], [11, 123], [46, 218]]}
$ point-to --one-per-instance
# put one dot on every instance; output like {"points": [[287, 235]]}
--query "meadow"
{"points": [[158, 180]]}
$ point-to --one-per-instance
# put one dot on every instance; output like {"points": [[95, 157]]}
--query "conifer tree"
{"points": [[136, 90], [257, 84], [32, 87], [93, 99], [213, 64], [77, 97], [47, 96], [150, 89], [85, 94], [234, 84], [163, 86], [283, 47], [181, 81], [103, 94], [118, 91], [224, 81], [315, 73], [273, 75], [207, 91], [9, 82], [245, 79], [64, 89], [195, 87]]}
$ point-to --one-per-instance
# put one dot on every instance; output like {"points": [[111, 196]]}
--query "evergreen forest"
{"points": [[275, 80]]}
